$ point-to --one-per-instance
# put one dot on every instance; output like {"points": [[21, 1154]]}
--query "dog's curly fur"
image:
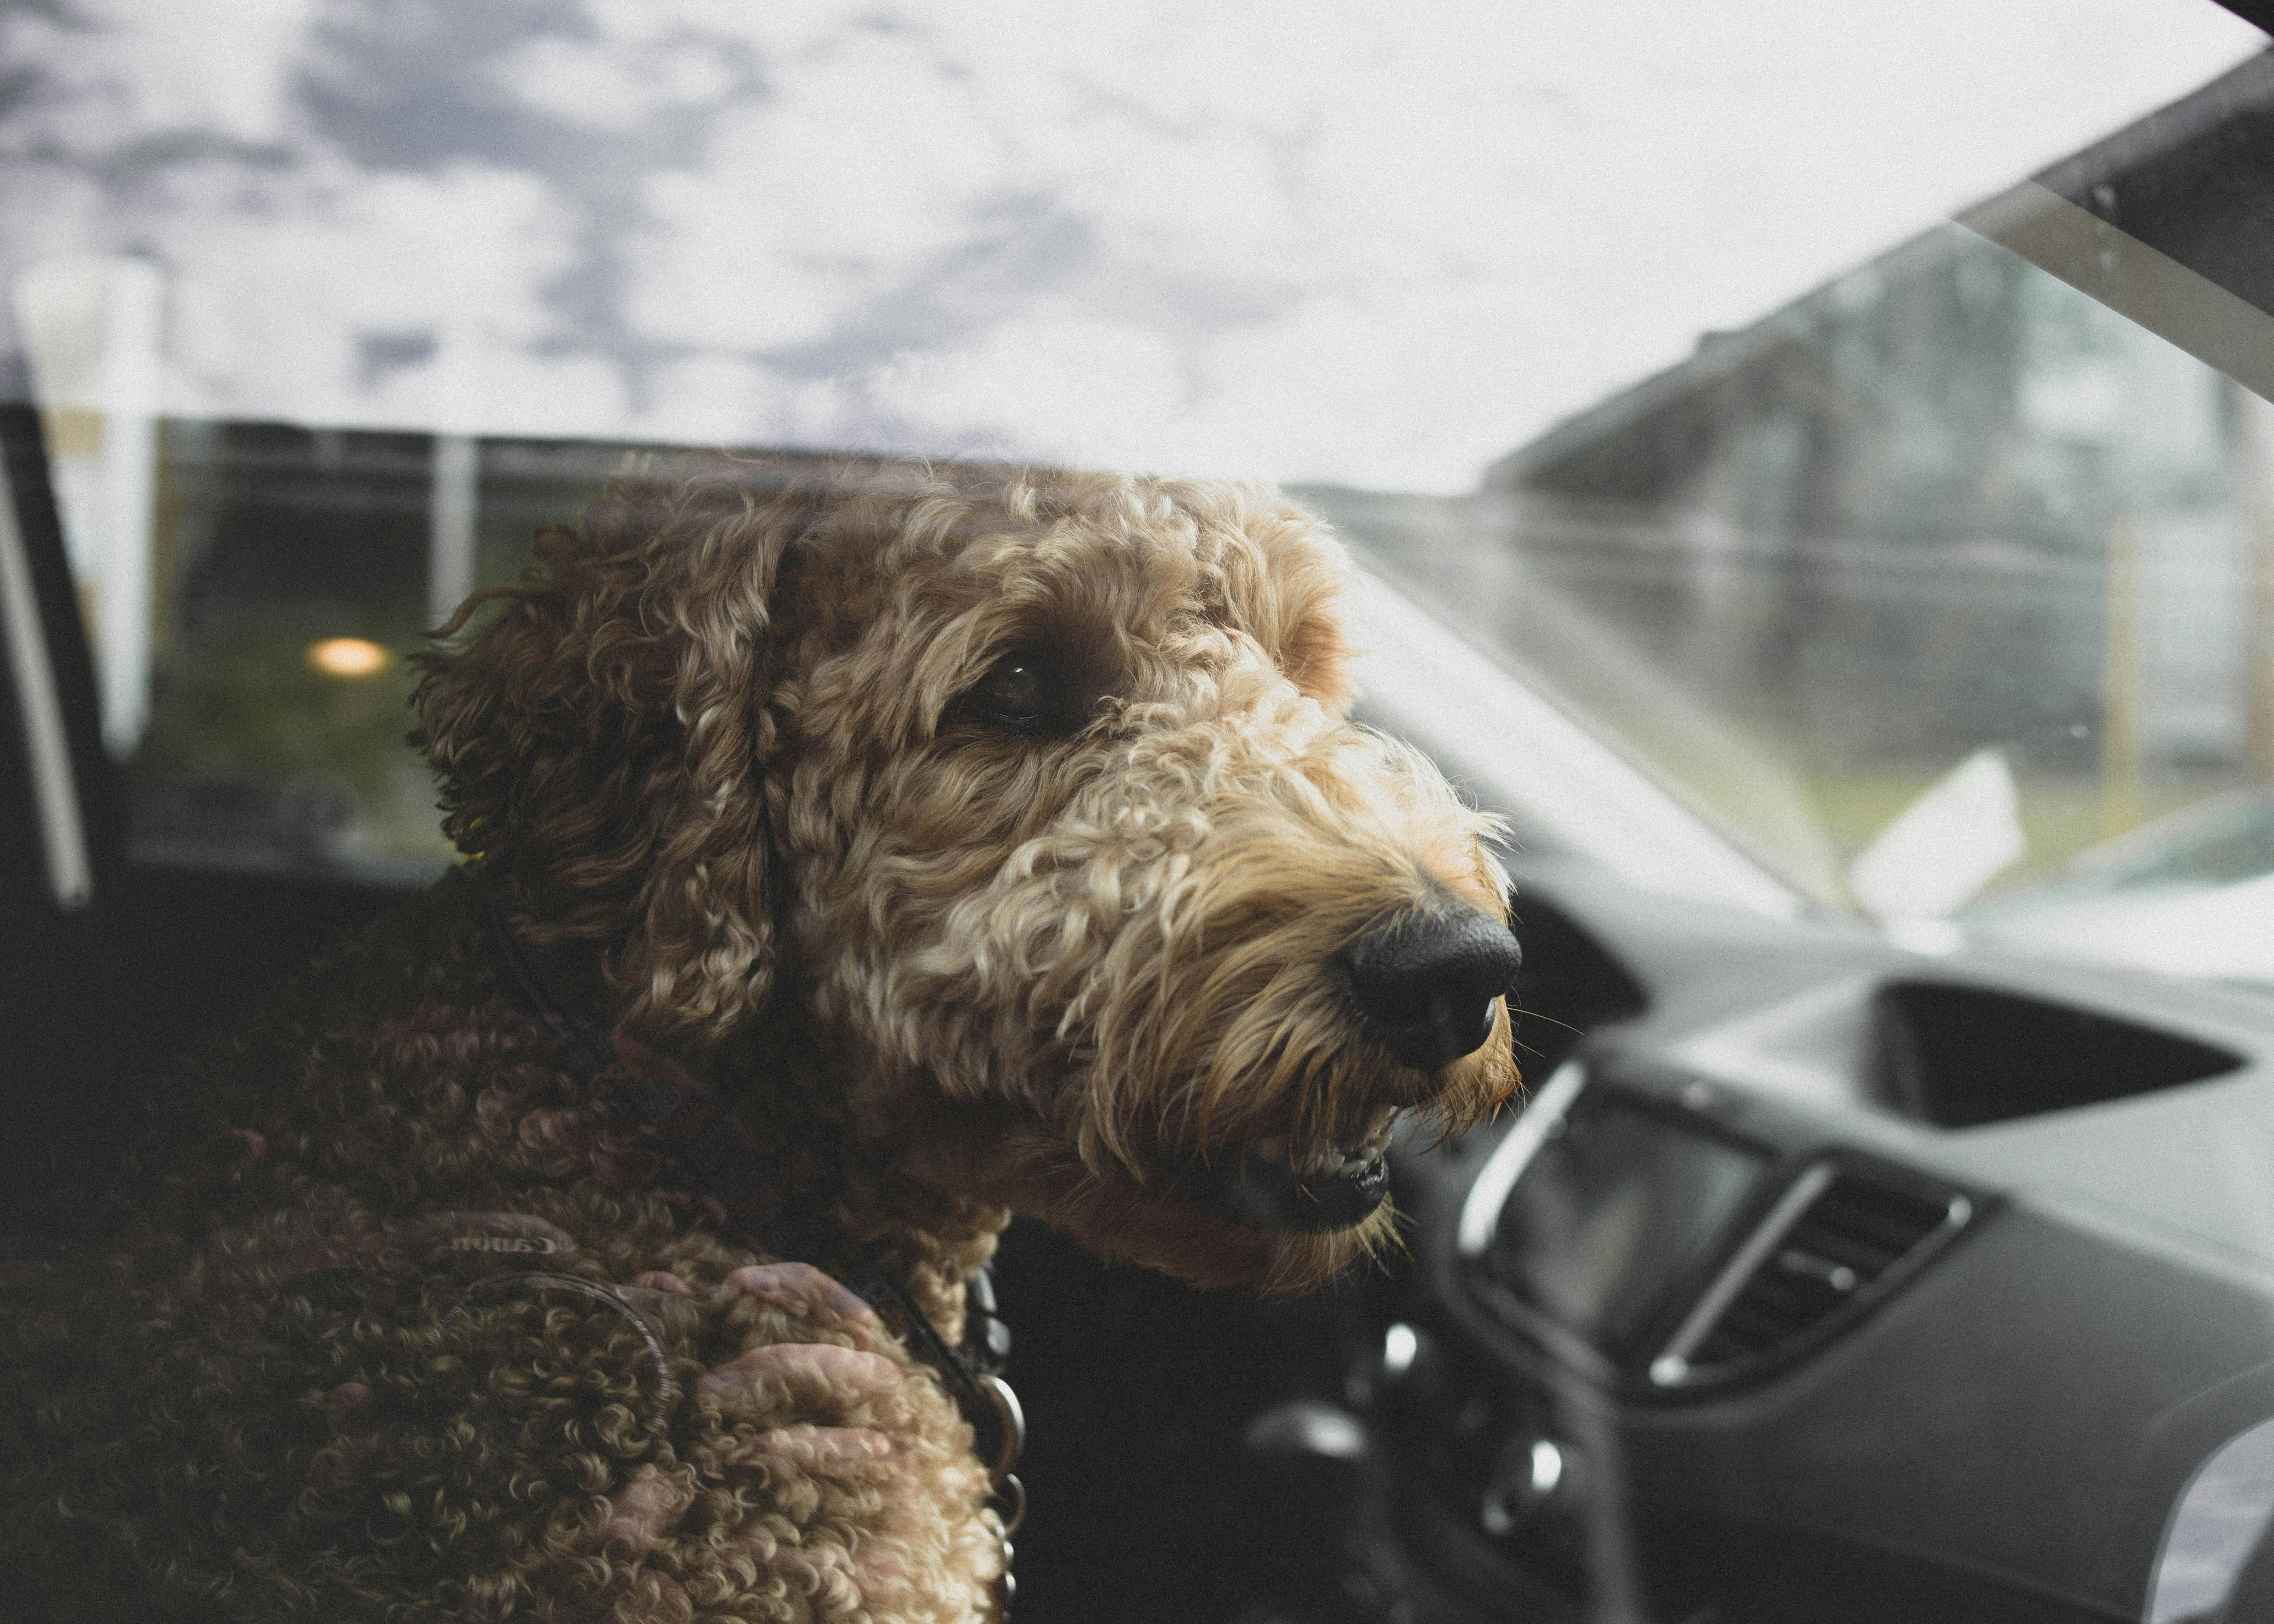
{"points": [[737, 763]]}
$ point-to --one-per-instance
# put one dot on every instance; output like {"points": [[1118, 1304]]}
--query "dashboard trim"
{"points": [[1495, 1181]]}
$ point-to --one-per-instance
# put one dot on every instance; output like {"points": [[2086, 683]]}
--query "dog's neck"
{"points": [[871, 1165], [871, 1171]]}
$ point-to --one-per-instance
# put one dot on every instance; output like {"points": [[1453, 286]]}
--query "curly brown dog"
{"points": [[991, 841]]}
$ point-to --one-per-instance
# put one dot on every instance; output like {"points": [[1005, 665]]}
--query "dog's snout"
{"points": [[1424, 984]]}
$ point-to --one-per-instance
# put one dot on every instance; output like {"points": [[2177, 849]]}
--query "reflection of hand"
{"points": [[858, 1399]]}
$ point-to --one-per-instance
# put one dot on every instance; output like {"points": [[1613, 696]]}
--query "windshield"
{"points": [[1811, 468], [1930, 577], [1944, 588], [1945, 524]]}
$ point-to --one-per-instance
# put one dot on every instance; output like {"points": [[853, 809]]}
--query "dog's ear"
{"points": [[602, 740], [1301, 602]]}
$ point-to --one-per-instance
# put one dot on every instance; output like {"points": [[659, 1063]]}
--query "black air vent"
{"points": [[1855, 1238]]}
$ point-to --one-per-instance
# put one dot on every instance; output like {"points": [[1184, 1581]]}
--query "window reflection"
{"points": [[1944, 517]]}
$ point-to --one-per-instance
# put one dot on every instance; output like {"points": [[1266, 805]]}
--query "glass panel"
{"points": [[292, 583], [296, 572], [1945, 512], [1947, 525]]}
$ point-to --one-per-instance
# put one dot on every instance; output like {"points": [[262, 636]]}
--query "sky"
{"points": [[1312, 242]]}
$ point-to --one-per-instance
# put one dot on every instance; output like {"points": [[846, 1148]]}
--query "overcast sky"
{"points": [[1374, 244]]}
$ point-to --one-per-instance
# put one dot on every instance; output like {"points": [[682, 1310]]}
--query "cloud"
{"points": [[611, 85], [1321, 240], [808, 204]]}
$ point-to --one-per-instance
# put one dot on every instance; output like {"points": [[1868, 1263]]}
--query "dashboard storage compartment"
{"points": [[1961, 1057]]}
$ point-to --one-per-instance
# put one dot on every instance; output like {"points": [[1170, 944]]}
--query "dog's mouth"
{"points": [[1271, 1185]]}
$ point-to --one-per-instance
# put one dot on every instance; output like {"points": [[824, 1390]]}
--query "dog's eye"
{"points": [[1023, 690]]}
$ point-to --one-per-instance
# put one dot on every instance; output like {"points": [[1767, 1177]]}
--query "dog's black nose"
{"points": [[1424, 983]]}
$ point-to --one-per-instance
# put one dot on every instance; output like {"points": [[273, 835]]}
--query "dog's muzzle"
{"points": [[1423, 987]]}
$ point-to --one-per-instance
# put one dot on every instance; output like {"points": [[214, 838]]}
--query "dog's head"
{"points": [[1032, 796]]}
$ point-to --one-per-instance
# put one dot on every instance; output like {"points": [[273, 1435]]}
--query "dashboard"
{"points": [[1819, 1279]]}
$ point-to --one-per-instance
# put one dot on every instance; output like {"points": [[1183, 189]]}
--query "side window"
{"points": [[253, 591], [1944, 527], [292, 572]]}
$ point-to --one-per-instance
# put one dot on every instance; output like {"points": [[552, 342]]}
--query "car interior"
{"points": [[1831, 1268]]}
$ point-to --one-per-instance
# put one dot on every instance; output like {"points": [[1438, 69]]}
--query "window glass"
{"points": [[1939, 586], [295, 572], [1946, 505]]}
